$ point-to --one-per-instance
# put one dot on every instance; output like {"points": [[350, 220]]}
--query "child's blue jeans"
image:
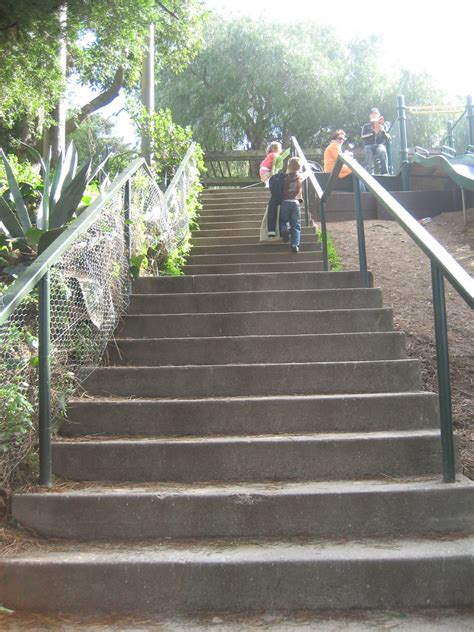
{"points": [[290, 213]]}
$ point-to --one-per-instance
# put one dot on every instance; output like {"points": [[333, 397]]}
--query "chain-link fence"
{"points": [[89, 290]]}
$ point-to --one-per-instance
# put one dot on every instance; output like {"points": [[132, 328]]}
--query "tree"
{"points": [[105, 45], [255, 81]]}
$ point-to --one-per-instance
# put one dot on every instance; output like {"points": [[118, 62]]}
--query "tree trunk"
{"points": [[55, 136]]}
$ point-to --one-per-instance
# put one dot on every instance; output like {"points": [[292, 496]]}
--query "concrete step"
{"points": [[269, 257], [255, 323], [243, 232], [225, 211], [239, 240], [256, 349], [214, 216], [255, 248], [262, 458], [379, 376], [248, 282], [238, 196], [270, 300], [280, 510], [298, 265], [252, 415], [235, 200], [206, 224], [239, 577]]}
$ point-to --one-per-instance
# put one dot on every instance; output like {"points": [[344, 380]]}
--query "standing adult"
{"points": [[375, 138]]}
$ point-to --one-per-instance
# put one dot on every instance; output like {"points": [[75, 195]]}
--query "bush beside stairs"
{"points": [[257, 440]]}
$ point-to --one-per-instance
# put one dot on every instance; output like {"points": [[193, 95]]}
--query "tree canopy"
{"points": [[254, 81], [105, 46]]}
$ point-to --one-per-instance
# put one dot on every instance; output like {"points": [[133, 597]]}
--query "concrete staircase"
{"points": [[256, 441]]}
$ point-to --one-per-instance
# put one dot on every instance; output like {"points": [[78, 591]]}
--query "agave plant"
{"points": [[63, 190]]}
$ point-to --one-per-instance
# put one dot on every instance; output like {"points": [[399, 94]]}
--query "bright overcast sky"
{"points": [[418, 34]]}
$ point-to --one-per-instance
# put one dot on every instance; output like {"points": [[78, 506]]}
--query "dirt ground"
{"points": [[403, 272]]}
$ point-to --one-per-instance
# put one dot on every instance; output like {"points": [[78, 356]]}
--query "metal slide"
{"points": [[459, 168]]}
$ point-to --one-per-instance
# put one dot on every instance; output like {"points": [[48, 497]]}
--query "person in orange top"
{"points": [[332, 152]]}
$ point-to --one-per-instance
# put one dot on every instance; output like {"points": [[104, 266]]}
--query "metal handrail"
{"points": [[36, 270], [443, 265], [37, 274], [174, 182], [456, 275]]}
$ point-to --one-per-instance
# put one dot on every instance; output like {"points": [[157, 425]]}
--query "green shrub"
{"points": [[335, 263]]}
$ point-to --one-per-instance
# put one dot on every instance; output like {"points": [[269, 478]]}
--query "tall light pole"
{"points": [[148, 91]]}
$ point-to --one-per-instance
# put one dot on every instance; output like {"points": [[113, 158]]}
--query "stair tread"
{"points": [[326, 437], [271, 488], [223, 551]]}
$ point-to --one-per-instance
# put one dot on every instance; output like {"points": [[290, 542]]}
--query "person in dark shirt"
{"points": [[290, 213], [375, 137]]}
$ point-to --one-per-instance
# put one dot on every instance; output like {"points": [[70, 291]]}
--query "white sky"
{"points": [[419, 34]]}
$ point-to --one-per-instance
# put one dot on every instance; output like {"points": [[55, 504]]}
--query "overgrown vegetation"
{"points": [[169, 144]]}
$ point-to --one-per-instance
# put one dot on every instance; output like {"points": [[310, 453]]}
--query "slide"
{"points": [[459, 168]]}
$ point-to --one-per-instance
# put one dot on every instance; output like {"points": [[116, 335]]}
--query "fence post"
{"points": [[364, 275], [444, 387], [44, 382], [324, 234], [470, 118], [402, 122], [127, 201]]}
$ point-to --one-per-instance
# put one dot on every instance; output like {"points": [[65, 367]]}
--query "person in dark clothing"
{"points": [[290, 213], [375, 138]]}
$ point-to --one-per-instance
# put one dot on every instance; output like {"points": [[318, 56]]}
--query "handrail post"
{"points": [[470, 118], [450, 139], [402, 122], [388, 147], [306, 201], [324, 235], [44, 379], [364, 275], [444, 387], [128, 219]]}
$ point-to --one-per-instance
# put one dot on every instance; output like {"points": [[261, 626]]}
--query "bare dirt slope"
{"points": [[403, 273]]}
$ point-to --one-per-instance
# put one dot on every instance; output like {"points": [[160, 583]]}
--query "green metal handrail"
{"points": [[179, 172], [37, 274], [443, 265], [40, 266]]}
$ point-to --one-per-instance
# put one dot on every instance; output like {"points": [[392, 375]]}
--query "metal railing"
{"points": [[443, 266], [83, 283]]}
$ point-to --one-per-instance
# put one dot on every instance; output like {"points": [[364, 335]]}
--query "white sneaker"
{"points": [[271, 233]]}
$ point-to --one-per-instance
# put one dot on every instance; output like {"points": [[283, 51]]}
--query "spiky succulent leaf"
{"points": [[48, 237], [71, 167], [10, 220], [71, 197], [20, 207], [42, 220], [64, 173]]}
